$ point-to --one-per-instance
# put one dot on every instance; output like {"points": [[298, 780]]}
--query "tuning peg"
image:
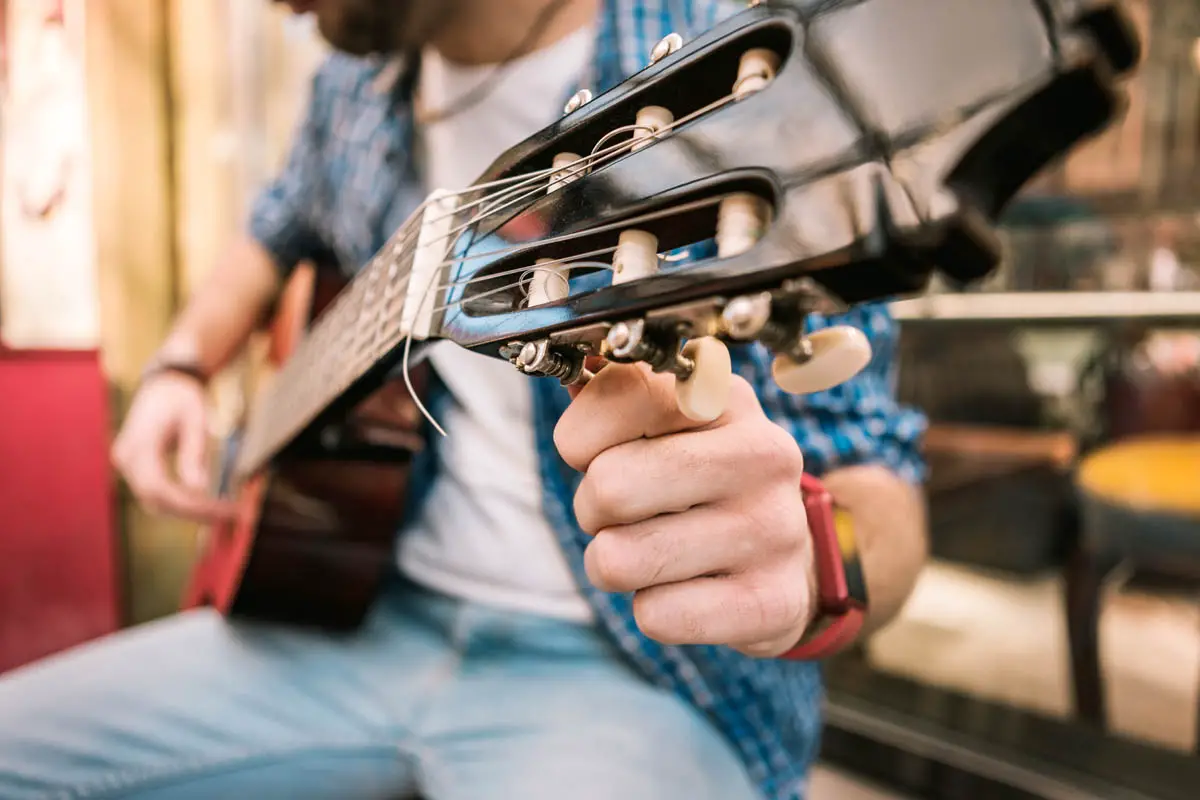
{"points": [[567, 167], [649, 121], [703, 369], [666, 45], [744, 317], [835, 355], [577, 101], [636, 256], [703, 395], [550, 282], [756, 69]]}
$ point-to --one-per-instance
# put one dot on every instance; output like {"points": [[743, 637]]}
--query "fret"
{"points": [[362, 324]]}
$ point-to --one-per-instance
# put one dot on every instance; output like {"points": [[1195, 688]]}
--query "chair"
{"points": [[1139, 503]]}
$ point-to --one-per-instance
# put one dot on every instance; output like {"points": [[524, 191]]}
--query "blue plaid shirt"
{"points": [[351, 180]]}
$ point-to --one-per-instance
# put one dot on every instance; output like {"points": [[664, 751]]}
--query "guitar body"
{"points": [[315, 535]]}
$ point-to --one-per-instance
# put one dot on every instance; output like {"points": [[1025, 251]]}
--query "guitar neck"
{"points": [[356, 342]]}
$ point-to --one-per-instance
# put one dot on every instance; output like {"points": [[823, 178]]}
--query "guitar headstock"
{"points": [[800, 157]]}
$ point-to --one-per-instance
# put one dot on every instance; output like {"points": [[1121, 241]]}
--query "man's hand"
{"points": [[704, 522], [169, 413]]}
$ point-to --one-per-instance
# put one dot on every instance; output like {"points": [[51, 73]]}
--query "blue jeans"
{"points": [[434, 696]]}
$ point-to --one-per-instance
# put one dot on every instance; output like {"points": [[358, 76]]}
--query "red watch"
{"points": [[841, 587]]}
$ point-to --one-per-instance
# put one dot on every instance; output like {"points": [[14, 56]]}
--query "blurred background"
{"points": [[1051, 649]]}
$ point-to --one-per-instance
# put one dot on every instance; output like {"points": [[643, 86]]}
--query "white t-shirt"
{"points": [[483, 535]]}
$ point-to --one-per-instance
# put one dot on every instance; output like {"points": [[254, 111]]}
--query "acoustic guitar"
{"points": [[799, 157]]}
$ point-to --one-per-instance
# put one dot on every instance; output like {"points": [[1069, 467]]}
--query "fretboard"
{"points": [[359, 328]]}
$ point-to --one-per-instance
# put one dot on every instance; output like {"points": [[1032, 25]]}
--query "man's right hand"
{"points": [[169, 416]]}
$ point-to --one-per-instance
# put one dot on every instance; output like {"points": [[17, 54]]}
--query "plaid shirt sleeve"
{"points": [[859, 422], [281, 218]]}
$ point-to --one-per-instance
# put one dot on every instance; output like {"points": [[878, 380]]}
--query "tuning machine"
{"points": [[805, 363], [702, 367], [667, 45], [577, 101], [542, 359]]}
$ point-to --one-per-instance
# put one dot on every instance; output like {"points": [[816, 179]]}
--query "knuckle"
{"points": [[582, 509], [777, 519], [741, 393], [777, 452], [566, 442], [657, 621], [607, 565], [607, 487], [766, 607]]}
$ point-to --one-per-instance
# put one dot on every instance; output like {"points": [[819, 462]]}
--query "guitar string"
{"points": [[581, 165], [515, 184], [574, 168], [518, 182], [426, 295], [431, 291], [624, 224], [307, 415], [565, 173]]}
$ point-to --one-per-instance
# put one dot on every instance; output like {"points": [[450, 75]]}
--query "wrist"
{"points": [[159, 367], [179, 355]]}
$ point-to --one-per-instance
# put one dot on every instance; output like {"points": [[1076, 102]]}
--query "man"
{"points": [[593, 598]]}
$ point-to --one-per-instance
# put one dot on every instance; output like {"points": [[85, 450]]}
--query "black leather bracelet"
{"points": [[189, 370]]}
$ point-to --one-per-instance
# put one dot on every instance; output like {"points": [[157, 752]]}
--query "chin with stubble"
{"points": [[368, 27]]}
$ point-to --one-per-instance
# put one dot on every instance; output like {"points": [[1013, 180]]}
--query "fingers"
{"points": [[645, 478], [625, 402], [669, 549], [758, 614], [160, 495], [155, 424]]}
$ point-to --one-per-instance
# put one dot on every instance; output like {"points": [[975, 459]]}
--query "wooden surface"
{"points": [[1160, 474], [965, 455], [985, 442]]}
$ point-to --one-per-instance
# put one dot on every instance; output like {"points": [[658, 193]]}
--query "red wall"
{"points": [[58, 553]]}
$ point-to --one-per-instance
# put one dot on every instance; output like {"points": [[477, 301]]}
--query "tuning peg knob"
{"points": [[838, 354], [567, 167], [667, 45], [704, 395], [578, 101]]}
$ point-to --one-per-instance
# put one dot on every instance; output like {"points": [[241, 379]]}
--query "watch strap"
{"points": [[184, 368], [841, 586]]}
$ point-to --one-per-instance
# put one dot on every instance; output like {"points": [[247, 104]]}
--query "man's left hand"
{"points": [[704, 522]]}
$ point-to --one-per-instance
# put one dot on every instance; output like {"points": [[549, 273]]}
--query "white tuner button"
{"points": [[636, 256], [838, 354], [756, 69], [567, 167], [549, 282], [704, 395], [650, 121]]}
